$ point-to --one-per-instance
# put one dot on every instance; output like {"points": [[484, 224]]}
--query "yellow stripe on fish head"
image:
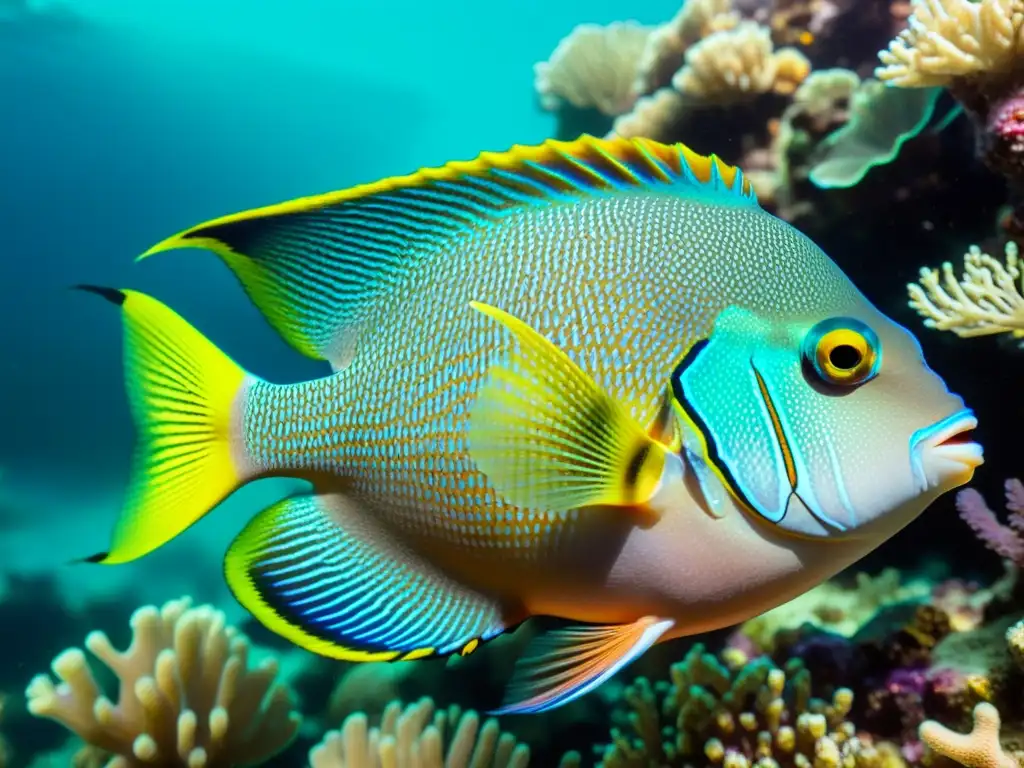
{"points": [[823, 426]]}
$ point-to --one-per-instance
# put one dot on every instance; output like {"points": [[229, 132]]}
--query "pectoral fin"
{"points": [[323, 574], [564, 664], [546, 435]]}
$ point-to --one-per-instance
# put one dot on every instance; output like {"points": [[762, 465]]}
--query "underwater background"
{"points": [[123, 122]]}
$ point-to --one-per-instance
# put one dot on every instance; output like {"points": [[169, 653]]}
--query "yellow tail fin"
{"points": [[182, 391]]}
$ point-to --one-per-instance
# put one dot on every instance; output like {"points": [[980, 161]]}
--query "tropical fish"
{"points": [[591, 380]]}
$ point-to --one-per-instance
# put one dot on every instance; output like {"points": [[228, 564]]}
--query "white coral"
{"points": [[667, 44], [948, 39], [986, 299], [186, 698], [414, 737], [737, 63], [593, 66]]}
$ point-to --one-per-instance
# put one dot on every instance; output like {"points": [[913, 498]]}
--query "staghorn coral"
{"points": [[978, 749], [756, 714], [985, 300], [186, 694], [414, 737], [738, 63], [593, 67]]}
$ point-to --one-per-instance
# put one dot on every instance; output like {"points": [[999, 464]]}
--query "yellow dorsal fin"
{"points": [[315, 265]]}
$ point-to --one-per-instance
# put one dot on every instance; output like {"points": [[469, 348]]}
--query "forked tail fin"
{"points": [[183, 392]]}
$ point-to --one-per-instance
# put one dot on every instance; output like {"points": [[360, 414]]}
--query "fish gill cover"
{"points": [[891, 133]]}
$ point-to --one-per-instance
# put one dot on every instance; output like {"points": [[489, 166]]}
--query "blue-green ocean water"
{"points": [[145, 117]]}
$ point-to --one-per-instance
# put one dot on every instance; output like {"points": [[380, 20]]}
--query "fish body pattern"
{"points": [[589, 380]]}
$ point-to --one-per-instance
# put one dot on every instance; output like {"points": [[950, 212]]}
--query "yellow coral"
{"points": [[187, 696], [985, 300], [978, 749], [593, 66], [948, 39], [738, 63], [755, 715], [414, 737]]}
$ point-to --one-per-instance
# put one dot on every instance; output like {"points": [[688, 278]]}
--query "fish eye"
{"points": [[842, 351]]}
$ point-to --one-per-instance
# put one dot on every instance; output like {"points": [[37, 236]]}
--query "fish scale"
{"points": [[590, 380]]}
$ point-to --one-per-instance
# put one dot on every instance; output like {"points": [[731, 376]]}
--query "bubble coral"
{"points": [[738, 63], [414, 737], [984, 300], [757, 714], [186, 694]]}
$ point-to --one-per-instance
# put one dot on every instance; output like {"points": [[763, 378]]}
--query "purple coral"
{"points": [[1005, 540]]}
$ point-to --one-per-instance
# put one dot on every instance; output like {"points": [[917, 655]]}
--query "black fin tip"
{"points": [[113, 295]]}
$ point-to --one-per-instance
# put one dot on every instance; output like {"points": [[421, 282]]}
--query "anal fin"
{"points": [[320, 572], [564, 664]]}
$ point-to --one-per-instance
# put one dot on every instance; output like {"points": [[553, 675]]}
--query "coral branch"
{"points": [[985, 300], [1001, 539], [978, 749], [187, 695]]}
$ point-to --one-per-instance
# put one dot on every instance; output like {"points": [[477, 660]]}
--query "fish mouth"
{"points": [[945, 455]]}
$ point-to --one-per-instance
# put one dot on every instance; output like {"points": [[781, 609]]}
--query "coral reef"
{"points": [[840, 610], [975, 50], [415, 737], [738, 63], [186, 694], [756, 714]]}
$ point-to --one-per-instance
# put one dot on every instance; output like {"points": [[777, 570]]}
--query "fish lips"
{"points": [[943, 455]]}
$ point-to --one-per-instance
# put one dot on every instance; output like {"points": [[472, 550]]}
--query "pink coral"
{"points": [[1005, 540]]}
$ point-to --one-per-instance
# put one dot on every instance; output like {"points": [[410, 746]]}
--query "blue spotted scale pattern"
{"points": [[624, 283]]}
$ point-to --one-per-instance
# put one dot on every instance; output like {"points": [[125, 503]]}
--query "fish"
{"points": [[592, 381]]}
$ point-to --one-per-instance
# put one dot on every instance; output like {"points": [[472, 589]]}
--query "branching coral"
{"points": [[978, 749], [976, 49], [593, 67], [186, 698], [755, 715], [738, 63], [986, 299], [947, 39], [414, 737], [1005, 540]]}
